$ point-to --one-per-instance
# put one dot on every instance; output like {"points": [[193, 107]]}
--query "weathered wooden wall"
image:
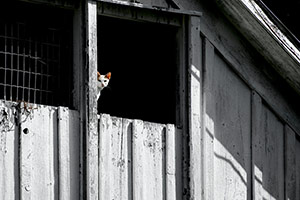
{"points": [[249, 151], [138, 160], [39, 152]]}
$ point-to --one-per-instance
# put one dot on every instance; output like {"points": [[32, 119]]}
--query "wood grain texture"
{"points": [[290, 163], [92, 137], [114, 158], [257, 145], [195, 84], [171, 158], [268, 152], [228, 129], [138, 160], [68, 153], [9, 181], [265, 36], [208, 124], [148, 161], [297, 150], [38, 157]]}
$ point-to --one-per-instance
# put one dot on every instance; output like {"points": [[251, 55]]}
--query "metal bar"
{"points": [[18, 62], [35, 69], [42, 67], [47, 67], [15, 38], [11, 61], [29, 88], [18, 70], [5, 60], [24, 63], [29, 69], [59, 70]]}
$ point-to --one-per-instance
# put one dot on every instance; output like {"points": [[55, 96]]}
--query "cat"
{"points": [[102, 82]]}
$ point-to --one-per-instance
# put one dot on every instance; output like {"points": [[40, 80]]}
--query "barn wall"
{"points": [[243, 128], [39, 152], [250, 120], [138, 160], [248, 149]]}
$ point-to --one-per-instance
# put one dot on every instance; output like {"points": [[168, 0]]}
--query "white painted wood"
{"points": [[137, 14], [297, 153], [268, 152], [38, 157], [228, 126], [290, 163], [273, 163], [153, 8], [268, 39], [148, 161], [171, 159], [9, 181], [195, 73], [208, 124], [92, 144], [68, 153], [113, 160], [229, 42], [257, 146]]}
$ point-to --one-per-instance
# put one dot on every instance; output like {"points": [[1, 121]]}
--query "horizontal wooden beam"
{"points": [[152, 7], [68, 4]]}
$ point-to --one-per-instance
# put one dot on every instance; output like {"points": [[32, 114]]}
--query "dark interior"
{"points": [[142, 59]]}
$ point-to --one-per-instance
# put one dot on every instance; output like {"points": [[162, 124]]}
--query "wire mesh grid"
{"points": [[30, 63]]}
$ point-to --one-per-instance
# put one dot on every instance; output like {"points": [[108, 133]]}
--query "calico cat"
{"points": [[102, 82]]}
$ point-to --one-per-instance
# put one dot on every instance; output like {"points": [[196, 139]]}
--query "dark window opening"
{"points": [[143, 60], [35, 54]]}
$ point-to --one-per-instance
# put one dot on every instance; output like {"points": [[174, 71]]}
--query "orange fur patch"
{"points": [[98, 75], [108, 75]]}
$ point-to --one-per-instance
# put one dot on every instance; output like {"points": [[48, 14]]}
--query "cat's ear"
{"points": [[98, 75], [108, 75]]}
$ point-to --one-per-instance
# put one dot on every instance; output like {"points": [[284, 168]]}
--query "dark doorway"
{"points": [[143, 60]]}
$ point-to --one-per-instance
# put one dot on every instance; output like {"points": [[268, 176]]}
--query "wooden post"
{"points": [[91, 139], [195, 79]]}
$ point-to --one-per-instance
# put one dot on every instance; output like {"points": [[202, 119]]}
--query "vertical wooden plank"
{"points": [[268, 152], [8, 152], [91, 103], [194, 105], [38, 157], [106, 144], [68, 153], [148, 161], [273, 165], [297, 153], [208, 123], [257, 146], [290, 163], [113, 158], [171, 160], [228, 126]]}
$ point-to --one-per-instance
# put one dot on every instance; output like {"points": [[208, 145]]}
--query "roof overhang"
{"points": [[266, 37]]}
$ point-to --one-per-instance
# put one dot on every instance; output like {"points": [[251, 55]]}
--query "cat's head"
{"points": [[103, 80]]}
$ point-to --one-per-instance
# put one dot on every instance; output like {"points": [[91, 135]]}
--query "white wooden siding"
{"points": [[227, 132], [137, 159], [8, 152], [249, 150], [39, 144]]}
